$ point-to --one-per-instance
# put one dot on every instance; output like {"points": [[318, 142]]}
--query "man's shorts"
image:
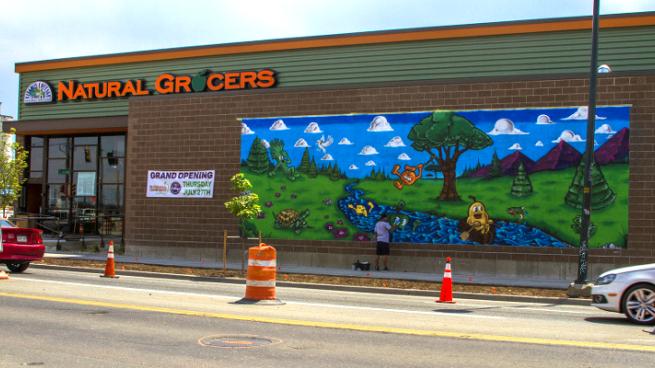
{"points": [[382, 249]]}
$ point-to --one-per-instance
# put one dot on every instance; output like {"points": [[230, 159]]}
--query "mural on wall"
{"points": [[505, 177]]}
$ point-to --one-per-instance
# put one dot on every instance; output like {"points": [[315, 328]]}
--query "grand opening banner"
{"points": [[180, 184]]}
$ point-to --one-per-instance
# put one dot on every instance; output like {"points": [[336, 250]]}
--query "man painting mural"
{"points": [[382, 232]]}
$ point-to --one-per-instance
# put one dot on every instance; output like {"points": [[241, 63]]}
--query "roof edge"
{"points": [[350, 39]]}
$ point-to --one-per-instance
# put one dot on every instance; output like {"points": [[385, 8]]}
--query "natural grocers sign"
{"points": [[166, 83], [180, 184]]}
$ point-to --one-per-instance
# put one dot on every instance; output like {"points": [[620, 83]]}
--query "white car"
{"points": [[629, 290]]}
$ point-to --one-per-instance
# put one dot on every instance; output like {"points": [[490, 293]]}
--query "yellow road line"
{"points": [[341, 326]]}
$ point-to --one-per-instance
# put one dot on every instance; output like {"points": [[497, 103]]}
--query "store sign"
{"points": [[37, 92], [166, 83], [180, 184]]}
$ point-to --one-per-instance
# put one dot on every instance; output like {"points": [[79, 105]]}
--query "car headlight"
{"points": [[604, 280]]}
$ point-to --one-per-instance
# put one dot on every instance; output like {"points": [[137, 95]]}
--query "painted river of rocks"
{"points": [[419, 227]]}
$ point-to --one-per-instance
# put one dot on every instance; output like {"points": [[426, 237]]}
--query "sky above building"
{"points": [[42, 30]]}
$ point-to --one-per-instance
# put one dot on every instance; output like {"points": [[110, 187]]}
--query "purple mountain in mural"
{"points": [[508, 165], [561, 156], [614, 149]]}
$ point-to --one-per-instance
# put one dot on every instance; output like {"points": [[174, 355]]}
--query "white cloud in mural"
{"points": [[605, 129], [404, 157], [245, 130], [395, 142], [301, 143], [539, 144], [370, 163], [568, 136], [581, 114], [327, 157], [515, 147], [544, 119], [353, 167], [379, 124], [505, 126], [313, 128], [265, 143], [368, 150], [278, 125], [345, 142]]}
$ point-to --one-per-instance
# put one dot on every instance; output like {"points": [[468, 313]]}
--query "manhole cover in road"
{"points": [[236, 341]]}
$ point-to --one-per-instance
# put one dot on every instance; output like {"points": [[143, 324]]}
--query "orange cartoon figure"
{"points": [[407, 177]]}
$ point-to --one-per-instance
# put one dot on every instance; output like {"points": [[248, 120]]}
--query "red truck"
{"points": [[20, 246]]}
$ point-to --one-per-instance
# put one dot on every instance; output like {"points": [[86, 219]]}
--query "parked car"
{"points": [[629, 290], [20, 246]]}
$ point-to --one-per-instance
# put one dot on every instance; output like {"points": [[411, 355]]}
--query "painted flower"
{"points": [[361, 237], [329, 226], [340, 233], [268, 204]]}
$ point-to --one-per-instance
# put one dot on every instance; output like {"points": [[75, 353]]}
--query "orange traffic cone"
{"points": [[446, 293], [3, 275], [110, 267]]}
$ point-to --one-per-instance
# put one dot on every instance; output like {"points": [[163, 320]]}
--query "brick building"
{"points": [[156, 121]]}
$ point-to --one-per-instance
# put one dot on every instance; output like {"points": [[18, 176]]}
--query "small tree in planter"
{"points": [[245, 207]]}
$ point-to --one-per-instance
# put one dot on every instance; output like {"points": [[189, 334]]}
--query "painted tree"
{"points": [[495, 170], [521, 185], [258, 161], [13, 162], [305, 163], [601, 193], [313, 169], [445, 136]]}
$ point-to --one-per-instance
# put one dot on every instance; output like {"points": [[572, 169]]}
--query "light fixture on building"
{"points": [[604, 69]]}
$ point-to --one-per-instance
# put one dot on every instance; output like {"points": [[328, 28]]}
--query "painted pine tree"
{"points": [[304, 162], [313, 169], [601, 193], [521, 185], [258, 161], [495, 170]]}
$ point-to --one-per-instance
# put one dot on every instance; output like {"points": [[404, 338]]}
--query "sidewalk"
{"points": [[410, 276]]}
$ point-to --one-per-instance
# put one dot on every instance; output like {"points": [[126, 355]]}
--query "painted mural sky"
{"points": [[361, 142]]}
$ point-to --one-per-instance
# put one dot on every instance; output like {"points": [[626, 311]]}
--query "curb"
{"points": [[359, 289]]}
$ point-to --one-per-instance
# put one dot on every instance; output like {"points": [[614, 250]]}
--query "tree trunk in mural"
{"points": [[449, 188], [445, 136]]}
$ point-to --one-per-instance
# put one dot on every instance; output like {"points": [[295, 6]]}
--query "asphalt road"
{"points": [[70, 319]]}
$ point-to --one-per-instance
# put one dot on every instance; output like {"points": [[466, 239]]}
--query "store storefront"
{"points": [[336, 130]]}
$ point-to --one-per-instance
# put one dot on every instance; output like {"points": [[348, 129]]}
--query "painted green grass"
{"points": [[310, 192], [546, 208]]}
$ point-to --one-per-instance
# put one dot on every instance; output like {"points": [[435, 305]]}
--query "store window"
{"points": [[36, 157], [84, 180]]}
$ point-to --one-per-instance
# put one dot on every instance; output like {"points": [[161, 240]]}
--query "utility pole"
{"points": [[581, 286]]}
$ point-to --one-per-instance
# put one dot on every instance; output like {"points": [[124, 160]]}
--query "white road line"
{"points": [[232, 297]]}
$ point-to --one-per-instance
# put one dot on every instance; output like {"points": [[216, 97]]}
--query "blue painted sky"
{"points": [[510, 130], [43, 29]]}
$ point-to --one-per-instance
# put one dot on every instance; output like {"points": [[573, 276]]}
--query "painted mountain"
{"points": [[562, 156], [614, 149], [508, 165]]}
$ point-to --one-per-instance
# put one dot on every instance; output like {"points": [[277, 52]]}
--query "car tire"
{"points": [[639, 304], [18, 267]]}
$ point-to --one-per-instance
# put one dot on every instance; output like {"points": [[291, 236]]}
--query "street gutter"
{"points": [[317, 286]]}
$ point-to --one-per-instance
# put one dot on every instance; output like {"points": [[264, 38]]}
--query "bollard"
{"points": [[260, 280]]}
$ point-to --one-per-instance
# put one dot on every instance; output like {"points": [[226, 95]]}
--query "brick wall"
{"points": [[202, 131]]}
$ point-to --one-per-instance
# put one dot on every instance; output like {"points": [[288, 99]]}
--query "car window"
{"points": [[5, 223]]}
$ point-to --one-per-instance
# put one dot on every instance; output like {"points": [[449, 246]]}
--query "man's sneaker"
{"points": [[386, 269]]}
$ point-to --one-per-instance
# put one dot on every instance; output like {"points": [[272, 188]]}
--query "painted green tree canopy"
{"points": [[445, 136]]}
